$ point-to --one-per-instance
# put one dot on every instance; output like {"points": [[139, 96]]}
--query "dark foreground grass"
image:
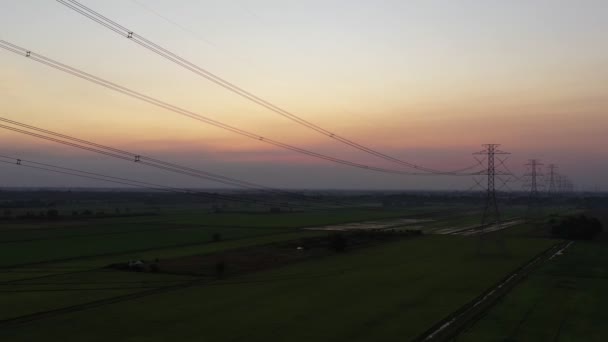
{"points": [[28, 290], [383, 293], [87, 263], [564, 301], [19, 253], [36, 295], [51, 241]]}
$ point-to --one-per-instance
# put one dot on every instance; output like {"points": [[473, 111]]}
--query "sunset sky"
{"points": [[424, 81]]}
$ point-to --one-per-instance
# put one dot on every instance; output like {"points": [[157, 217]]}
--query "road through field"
{"points": [[469, 313]]}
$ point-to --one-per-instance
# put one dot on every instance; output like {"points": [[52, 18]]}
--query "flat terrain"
{"points": [[47, 265], [566, 300], [55, 283], [397, 289], [37, 242]]}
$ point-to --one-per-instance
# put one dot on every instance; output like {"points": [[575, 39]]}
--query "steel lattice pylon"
{"points": [[491, 214], [533, 175], [552, 179]]}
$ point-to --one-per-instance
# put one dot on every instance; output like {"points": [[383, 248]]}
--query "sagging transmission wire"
{"points": [[314, 205], [149, 161], [173, 57], [20, 162], [126, 91]]}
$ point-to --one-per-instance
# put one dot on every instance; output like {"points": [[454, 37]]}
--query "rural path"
{"points": [[451, 326]]}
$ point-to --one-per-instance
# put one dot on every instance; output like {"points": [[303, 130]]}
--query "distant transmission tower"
{"points": [[553, 181], [491, 214], [565, 185], [532, 182]]}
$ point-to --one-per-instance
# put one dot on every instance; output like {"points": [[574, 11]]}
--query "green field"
{"points": [[41, 294], [398, 289], [58, 241], [39, 257], [566, 300]]}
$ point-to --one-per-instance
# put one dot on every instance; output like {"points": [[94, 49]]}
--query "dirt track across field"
{"points": [[466, 316]]}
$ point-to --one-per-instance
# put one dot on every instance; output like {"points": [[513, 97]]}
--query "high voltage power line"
{"points": [[131, 156], [149, 161], [126, 91], [161, 51], [135, 183]]}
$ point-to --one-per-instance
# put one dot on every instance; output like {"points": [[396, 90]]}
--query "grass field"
{"points": [[566, 300], [36, 295], [377, 293], [86, 263], [39, 257], [398, 288], [54, 241]]}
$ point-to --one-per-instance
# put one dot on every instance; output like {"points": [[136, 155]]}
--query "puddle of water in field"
{"points": [[452, 230], [492, 228], [384, 224], [470, 230]]}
